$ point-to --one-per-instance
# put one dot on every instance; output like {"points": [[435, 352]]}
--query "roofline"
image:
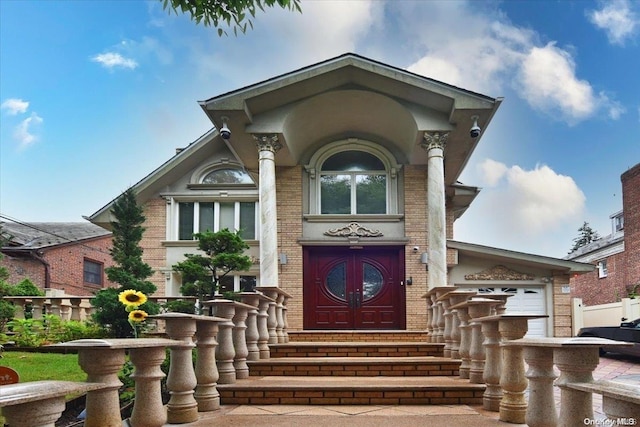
{"points": [[22, 248], [555, 263], [338, 58]]}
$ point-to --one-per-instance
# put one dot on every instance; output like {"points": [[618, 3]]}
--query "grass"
{"points": [[44, 366]]}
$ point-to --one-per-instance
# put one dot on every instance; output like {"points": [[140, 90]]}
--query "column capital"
{"points": [[267, 142], [434, 139]]}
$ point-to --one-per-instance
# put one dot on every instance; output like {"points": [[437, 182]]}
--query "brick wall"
{"points": [[289, 205], [154, 253], [631, 211], [594, 290], [415, 215], [561, 307], [66, 266]]}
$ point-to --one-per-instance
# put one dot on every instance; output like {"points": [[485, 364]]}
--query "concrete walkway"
{"points": [[618, 367]]}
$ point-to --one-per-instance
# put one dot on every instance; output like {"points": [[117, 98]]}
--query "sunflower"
{"points": [[137, 316], [132, 298]]}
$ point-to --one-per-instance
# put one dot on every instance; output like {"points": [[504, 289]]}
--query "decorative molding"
{"points": [[267, 143], [436, 139], [499, 272], [353, 229]]}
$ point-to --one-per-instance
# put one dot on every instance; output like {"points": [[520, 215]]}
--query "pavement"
{"points": [[619, 367]]}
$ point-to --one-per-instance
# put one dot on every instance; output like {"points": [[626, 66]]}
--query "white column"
{"points": [[434, 143], [268, 146]]}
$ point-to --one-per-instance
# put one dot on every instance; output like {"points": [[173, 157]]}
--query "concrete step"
{"points": [[356, 349], [355, 366], [358, 336], [271, 390]]}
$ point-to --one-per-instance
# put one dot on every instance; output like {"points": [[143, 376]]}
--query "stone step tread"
{"points": [[352, 383], [432, 360], [355, 344]]}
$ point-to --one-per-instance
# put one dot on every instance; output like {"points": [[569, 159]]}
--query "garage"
{"points": [[529, 300]]}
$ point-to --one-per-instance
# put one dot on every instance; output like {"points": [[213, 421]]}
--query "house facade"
{"points": [[617, 255], [67, 258], [343, 179]]}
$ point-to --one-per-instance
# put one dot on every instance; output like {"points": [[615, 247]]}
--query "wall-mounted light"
{"points": [[283, 259], [424, 258]]}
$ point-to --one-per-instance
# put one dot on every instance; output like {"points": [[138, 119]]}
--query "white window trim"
{"points": [[602, 269], [175, 216]]}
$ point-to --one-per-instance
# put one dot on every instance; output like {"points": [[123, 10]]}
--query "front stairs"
{"points": [[353, 368]]}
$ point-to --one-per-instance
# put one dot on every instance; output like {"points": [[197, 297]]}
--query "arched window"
{"points": [[227, 176], [353, 182]]}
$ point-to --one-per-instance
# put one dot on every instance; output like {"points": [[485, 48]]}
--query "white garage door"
{"points": [[525, 300]]}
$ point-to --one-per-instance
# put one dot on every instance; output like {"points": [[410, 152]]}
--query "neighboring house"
{"points": [[343, 178], [64, 256], [617, 255]]}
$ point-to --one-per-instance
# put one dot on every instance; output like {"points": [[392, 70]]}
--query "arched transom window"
{"points": [[227, 176], [353, 182]]}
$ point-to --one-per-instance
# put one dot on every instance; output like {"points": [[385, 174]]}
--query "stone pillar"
{"points": [[541, 411], [493, 366], [456, 298], [263, 328], [434, 143], [225, 352], [268, 146], [478, 308], [513, 407], [462, 310], [102, 366], [576, 365]]}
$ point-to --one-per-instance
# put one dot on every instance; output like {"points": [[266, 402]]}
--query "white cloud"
{"points": [[492, 171], [617, 19], [24, 132], [13, 106], [113, 60]]}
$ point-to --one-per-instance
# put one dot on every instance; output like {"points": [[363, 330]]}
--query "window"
{"points": [[602, 268], [353, 182], [227, 176], [237, 284], [198, 217], [618, 223], [92, 272]]}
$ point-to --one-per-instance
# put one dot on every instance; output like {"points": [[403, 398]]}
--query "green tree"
{"points": [[130, 271], [586, 236], [236, 14], [224, 253]]}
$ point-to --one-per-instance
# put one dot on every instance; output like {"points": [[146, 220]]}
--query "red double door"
{"points": [[354, 288]]}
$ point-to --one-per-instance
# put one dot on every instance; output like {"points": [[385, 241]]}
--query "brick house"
{"points": [[343, 177], [617, 255], [68, 257]]}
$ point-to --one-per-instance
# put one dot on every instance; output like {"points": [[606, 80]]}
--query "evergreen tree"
{"points": [[201, 274], [586, 236], [130, 271]]}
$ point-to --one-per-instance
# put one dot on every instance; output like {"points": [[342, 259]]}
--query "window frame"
{"points": [[176, 232], [603, 271], [315, 172], [100, 275]]}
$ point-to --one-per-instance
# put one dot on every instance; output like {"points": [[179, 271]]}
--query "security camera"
{"points": [[475, 129], [225, 132], [416, 249]]}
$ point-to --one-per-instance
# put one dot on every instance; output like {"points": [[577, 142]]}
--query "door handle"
{"points": [[358, 302], [351, 300]]}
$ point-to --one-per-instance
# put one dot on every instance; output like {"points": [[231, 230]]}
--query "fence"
{"points": [[604, 314]]}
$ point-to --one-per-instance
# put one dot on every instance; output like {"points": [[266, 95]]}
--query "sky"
{"points": [[95, 95]]}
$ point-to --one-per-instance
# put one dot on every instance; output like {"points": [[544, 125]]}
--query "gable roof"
{"points": [[43, 235]]}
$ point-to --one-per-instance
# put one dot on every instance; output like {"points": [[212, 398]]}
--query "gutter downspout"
{"points": [[37, 255]]}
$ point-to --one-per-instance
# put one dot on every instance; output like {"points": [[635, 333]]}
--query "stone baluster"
{"points": [[148, 410], [251, 334], [285, 321], [225, 352], [181, 381], [272, 320], [439, 321], [76, 313], [239, 340], [478, 307], [448, 320], [455, 298], [513, 381], [462, 310], [56, 307], [493, 364], [102, 360], [541, 409], [206, 370], [429, 317], [38, 307], [19, 304], [263, 328], [500, 308]]}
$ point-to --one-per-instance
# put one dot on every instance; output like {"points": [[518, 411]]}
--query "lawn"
{"points": [[43, 366]]}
